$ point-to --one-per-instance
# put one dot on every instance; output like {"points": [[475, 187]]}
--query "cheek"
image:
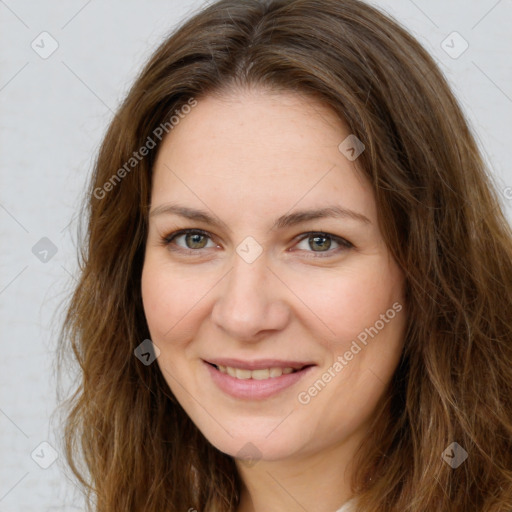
{"points": [[160, 297], [157, 299], [172, 299], [345, 303]]}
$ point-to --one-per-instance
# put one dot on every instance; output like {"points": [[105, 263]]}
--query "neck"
{"points": [[318, 482]]}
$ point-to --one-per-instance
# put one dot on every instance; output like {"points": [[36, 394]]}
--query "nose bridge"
{"points": [[250, 301], [246, 278]]}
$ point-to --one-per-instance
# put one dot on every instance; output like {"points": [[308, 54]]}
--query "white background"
{"points": [[54, 113]]}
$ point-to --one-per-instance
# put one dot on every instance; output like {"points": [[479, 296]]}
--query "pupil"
{"points": [[322, 242], [194, 241]]}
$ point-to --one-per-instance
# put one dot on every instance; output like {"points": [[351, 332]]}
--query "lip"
{"points": [[252, 389]]}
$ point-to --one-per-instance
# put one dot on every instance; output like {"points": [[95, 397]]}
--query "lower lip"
{"points": [[252, 389]]}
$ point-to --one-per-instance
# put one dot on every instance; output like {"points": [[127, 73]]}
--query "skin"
{"points": [[248, 157]]}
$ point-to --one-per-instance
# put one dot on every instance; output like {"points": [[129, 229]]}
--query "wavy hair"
{"points": [[126, 438]]}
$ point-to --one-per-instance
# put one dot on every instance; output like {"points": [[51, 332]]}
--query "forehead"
{"points": [[253, 150]]}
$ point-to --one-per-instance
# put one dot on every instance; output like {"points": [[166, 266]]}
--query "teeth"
{"points": [[275, 372], [243, 374], [264, 373], [260, 374]]}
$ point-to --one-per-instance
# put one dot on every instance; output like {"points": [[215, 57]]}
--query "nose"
{"points": [[251, 301]]}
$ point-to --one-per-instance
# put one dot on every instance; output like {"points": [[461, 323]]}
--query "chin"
{"points": [[258, 442]]}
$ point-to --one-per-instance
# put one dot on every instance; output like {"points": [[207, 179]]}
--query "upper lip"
{"points": [[259, 364]]}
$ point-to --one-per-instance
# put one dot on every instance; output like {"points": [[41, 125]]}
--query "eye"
{"points": [[323, 243], [191, 240]]}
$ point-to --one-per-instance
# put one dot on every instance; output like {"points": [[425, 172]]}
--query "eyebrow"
{"points": [[287, 220]]}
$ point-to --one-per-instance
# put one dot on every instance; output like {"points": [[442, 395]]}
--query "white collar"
{"points": [[347, 506]]}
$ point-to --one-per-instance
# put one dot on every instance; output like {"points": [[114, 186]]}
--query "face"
{"points": [[267, 286]]}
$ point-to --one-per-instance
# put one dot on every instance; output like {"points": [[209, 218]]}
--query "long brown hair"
{"points": [[126, 438]]}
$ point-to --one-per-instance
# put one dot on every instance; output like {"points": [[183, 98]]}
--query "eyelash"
{"points": [[167, 240]]}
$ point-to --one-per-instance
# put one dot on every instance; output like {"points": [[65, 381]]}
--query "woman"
{"points": [[296, 288]]}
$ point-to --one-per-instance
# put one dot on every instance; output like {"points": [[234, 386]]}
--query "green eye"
{"points": [[322, 243], [193, 239]]}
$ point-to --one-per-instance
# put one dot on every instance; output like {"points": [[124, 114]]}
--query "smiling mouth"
{"points": [[259, 374], [258, 379]]}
